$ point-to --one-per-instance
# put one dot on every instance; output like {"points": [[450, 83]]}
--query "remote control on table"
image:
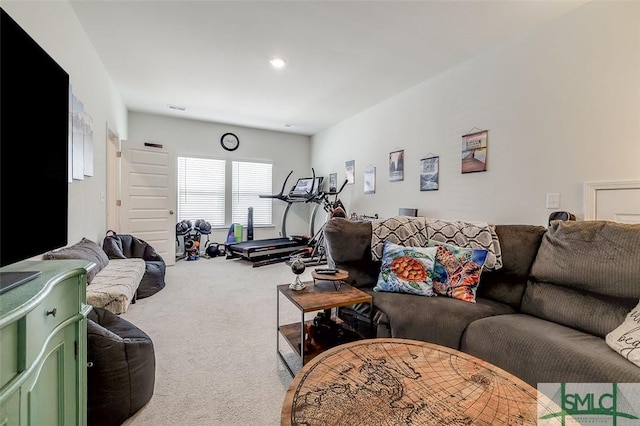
{"points": [[326, 271]]}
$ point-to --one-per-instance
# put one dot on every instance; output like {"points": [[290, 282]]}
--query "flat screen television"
{"points": [[34, 143]]}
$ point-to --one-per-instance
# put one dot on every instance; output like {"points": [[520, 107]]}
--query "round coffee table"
{"points": [[399, 381]]}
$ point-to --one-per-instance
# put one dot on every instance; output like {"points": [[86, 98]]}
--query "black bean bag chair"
{"points": [[124, 246], [121, 368]]}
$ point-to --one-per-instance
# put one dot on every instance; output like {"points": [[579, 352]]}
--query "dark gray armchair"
{"points": [[124, 246]]}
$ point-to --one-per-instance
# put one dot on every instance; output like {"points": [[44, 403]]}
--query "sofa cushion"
{"points": [[625, 339], [519, 245], [589, 312], [593, 256], [406, 270], [115, 287], [539, 351], [439, 320], [456, 272], [85, 249], [586, 275]]}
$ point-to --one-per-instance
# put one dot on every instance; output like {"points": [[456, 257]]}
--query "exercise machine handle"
{"points": [[339, 190], [281, 195], [311, 194]]}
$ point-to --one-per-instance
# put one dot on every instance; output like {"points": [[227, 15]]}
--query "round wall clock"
{"points": [[229, 141]]}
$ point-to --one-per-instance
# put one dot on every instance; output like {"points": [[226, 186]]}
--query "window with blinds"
{"points": [[201, 190], [249, 180]]}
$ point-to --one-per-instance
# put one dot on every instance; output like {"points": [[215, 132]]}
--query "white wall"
{"points": [[54, 26], [202, 139], [562, 106]]}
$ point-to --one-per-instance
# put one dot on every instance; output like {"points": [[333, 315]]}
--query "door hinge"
{"points": [[75, 349], [118, 203], [118, 154]]}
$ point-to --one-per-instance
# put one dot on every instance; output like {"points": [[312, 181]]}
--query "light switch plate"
{"points": [[553, 200]]}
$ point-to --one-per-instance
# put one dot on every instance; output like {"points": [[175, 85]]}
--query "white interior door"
{"points": [[615, 201], [619, 205], [113, 180], [148, 199]]}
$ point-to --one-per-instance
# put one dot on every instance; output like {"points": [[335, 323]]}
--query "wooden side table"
{"points": [[316, 296]]}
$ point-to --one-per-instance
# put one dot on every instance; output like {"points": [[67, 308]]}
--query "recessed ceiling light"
{"points": [[278, 62], [177, 107]]}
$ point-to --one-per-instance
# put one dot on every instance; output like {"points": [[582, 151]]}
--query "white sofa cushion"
{"points": [[115, 286]]}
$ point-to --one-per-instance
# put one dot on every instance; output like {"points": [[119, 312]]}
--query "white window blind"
{"points": [[201, 186], [249, 181]]}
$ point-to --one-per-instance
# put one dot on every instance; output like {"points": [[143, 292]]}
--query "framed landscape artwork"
{"points": [[350, 171], [396, 166], [474, 152], [370, 180], [333, 182], [429, 173]]}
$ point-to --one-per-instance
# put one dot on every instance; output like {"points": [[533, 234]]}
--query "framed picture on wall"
{"points": [[333, 182], [429, 173], [370, 180], [474, 152], [350, 171], [396, 166]]}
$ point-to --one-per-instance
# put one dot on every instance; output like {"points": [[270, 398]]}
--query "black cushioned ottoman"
{"points": [[121, 368]]}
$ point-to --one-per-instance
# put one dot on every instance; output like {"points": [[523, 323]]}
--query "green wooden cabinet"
{"points": [[43, 338]]}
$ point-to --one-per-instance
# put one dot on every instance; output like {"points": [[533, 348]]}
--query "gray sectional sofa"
{"points": [[543, 316]]}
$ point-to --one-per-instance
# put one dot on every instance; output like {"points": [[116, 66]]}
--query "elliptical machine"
{"points": [[315, 252], [273, 250]]}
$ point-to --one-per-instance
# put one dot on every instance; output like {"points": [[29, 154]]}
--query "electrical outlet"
{"points": [[553, 200]]}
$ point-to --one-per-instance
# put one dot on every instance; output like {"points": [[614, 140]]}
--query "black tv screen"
{"points": [[34, 143]]}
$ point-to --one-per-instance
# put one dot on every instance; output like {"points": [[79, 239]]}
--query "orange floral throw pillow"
{"points": [[456, 272]]}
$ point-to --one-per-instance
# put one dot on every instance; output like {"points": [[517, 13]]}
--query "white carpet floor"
{"points": [[214, 332]]}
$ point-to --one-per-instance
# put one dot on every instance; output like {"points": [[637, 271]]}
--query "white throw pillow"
{"points": [[626, 338]]}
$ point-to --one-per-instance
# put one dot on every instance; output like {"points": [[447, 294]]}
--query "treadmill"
{"points": [[273, 250]]}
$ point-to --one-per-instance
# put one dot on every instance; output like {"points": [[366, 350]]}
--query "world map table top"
{"points": [[399, 381]]}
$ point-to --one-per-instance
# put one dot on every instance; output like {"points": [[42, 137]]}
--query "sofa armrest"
{"points": [[349, 248]]}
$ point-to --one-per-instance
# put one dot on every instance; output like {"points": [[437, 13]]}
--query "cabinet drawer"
{"points": [[62, 303]]}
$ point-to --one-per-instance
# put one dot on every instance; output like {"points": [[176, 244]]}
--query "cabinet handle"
{"points": [[53, 312]]}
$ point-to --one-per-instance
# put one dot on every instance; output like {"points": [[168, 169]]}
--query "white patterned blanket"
{"points": [[417, 231], [114, 287]]}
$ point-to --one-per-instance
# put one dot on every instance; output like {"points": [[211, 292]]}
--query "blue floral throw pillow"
{"points": [[406, 269], [457, 270]]}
